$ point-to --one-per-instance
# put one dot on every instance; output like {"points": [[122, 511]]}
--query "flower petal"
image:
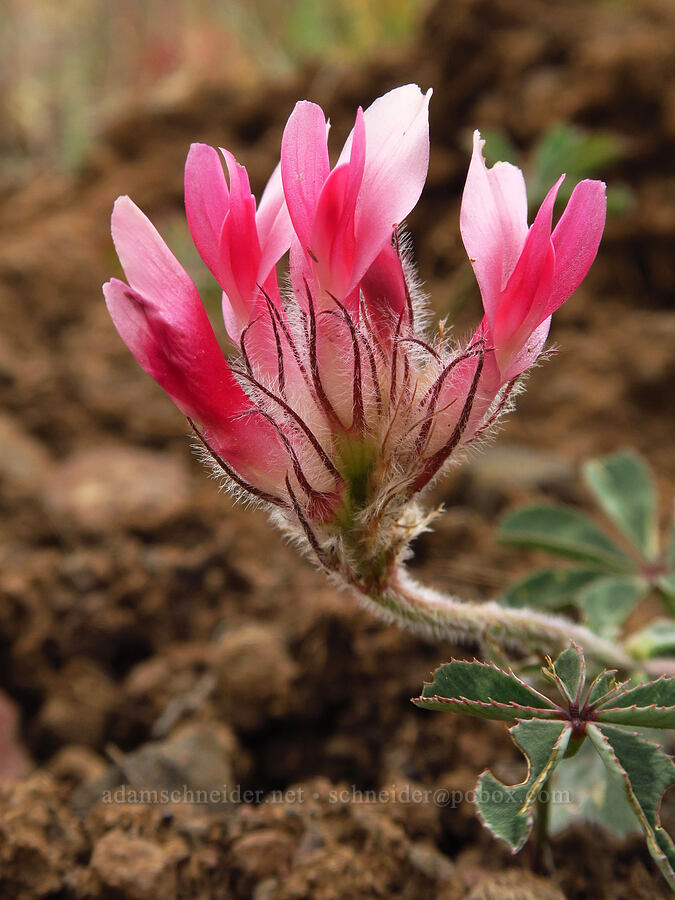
{"points": [[239, 251], [493, 223], [275, 229], [576, 239], [206, 203], [396, 164], [304, 165], [523, 302]]}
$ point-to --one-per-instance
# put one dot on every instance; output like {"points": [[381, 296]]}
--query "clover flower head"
{"points": [[339, 404]]}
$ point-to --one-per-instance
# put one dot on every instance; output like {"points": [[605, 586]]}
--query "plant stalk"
{"points": [[397, 597]]}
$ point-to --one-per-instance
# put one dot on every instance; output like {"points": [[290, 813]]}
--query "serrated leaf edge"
{"points": [[490, 665], [526, 808], [657, 854]]}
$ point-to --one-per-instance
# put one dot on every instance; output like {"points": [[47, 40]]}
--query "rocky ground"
{"points": [[154, 636]]}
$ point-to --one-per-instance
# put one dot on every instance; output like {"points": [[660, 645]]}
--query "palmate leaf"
{"points": [[607, 602], [508, 811], [565, 532], [483, 690], [649, 705], [623, 486], [643, 772], [549, 588]]}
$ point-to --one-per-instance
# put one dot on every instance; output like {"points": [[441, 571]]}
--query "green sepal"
{"points": [[569, 673], [483, 690], [604, 685], [507, 811], [548, 588], [623, 486], [643, 772], [608, 601], [564, 532]]}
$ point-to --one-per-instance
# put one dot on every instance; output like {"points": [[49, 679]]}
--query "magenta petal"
{"points": [[206, 202], [304, 165], [576, 239], [396, 164], [522, 304], [239, 251], [180, 353]]}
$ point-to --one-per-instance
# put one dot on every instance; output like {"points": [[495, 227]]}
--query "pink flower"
{"points": [[525, 274], [339, 406]]}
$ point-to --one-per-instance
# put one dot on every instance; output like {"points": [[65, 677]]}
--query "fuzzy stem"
{"points": [[398, 597]]}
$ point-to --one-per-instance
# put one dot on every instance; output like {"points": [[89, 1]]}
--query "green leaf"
{"points": [[569, 672], [581, 789], [564, 532], [548, 588], [507, 811], [624, 488], [483, 690], [643, 772], [657, 639], [607, 602], [650, 705], [670, 552], [604, 684]]}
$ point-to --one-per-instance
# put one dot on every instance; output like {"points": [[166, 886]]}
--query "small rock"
{"points": [[118, 487], [135, 868], [14, 761], [263, 853], [24, 462], [78, 707], [255, 673], [515, 885]]}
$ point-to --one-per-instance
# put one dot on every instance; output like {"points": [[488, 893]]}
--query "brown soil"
{"points": [[154, 636]]}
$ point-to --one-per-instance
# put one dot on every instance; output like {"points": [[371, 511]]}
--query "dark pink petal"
{"points": [[274, 225], [239, 251], [522, 304], [493, 223], [576, 239], [206, 203], [163, 322], [182, 355], [304, 165], [396, 163]]}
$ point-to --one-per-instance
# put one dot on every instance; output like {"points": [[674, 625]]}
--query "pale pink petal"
{"points": [[396, 164], [206, 202], [275, 229], [493, 223], [304, 165], [576, 239]]}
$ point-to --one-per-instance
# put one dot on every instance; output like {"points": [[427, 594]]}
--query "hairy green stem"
{"points": [[398, 597]]}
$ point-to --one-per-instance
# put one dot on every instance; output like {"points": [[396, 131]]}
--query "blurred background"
{"points": [[145, 636]]}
